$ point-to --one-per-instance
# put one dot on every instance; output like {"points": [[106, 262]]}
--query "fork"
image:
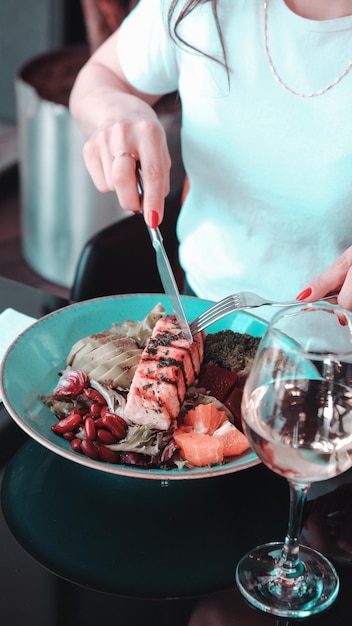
{"points": [[234, 302]]}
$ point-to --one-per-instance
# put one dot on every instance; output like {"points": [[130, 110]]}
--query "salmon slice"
{"points": [[169, 331], [157, 396], [168, 365], [173, 354]]}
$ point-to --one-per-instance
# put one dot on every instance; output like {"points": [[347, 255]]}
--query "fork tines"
{"points": [[215, 312]]}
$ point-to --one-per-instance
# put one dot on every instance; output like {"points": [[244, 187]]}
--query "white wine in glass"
{"points": [[297, 414]]}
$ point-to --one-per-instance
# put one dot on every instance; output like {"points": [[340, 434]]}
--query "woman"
{"points": [[266, 93]]}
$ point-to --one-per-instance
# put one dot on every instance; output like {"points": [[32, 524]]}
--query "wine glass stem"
{"points": [[290, 561]]}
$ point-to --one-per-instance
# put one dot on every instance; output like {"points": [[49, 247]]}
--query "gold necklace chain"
{"points": [[280, 81]]}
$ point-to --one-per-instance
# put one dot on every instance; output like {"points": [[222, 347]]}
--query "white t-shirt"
{"points": [[270, 173]]}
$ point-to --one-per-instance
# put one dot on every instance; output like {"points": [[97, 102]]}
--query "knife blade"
{"points": [[164, 268]]}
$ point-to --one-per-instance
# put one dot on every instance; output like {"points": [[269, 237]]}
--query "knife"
{"points": [[165, 271]]}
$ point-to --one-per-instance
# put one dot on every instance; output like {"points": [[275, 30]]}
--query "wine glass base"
{"points": [[259, 579]]}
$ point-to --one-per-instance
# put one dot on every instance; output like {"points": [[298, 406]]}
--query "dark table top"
{"points": [[31, 594]]}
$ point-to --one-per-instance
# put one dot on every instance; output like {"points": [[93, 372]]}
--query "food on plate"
{"points": [[233, 351], [226, 386], [206, 436], [113, 355], [167, 367], [141, 394]]}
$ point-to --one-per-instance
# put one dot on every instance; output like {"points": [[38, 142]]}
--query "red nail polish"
{"points": [[342, 321], [304, 294], [153, 219]]}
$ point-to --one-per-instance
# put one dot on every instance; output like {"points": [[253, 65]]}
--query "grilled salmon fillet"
{"points": [[168, 366]]}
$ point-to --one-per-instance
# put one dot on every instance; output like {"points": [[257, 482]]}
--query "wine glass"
{"points": [[297, 414]]}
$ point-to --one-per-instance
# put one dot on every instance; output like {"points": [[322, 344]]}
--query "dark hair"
{"points": [[186, 9]]}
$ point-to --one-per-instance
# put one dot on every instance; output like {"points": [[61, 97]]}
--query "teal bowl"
{"points": [[33, 361]]}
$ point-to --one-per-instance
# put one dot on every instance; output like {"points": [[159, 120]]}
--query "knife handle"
{"points": [[154, 233]]}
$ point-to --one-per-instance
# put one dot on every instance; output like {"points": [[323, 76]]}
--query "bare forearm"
{"points": [[116, 118], [99, 97]]}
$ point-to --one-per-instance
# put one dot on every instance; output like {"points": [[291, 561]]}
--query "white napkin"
{"points": [[12, 323]]}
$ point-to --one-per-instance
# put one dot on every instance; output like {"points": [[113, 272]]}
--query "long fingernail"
{"points": [[304, 294], [153, 219]]}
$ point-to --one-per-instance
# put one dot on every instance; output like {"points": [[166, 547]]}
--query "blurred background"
{"points": [[26, 30], [49, 207]]}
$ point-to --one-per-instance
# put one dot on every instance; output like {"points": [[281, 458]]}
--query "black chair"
{"points": [[121, 259]]}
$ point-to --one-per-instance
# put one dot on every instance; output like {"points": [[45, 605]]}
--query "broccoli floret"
{"points": [[231, 350]]}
